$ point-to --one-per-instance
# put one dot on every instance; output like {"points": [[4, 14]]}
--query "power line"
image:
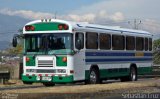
{"points": [[136, 23]]}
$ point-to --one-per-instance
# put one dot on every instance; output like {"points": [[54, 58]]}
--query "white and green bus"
{"points": [[58, 51]]}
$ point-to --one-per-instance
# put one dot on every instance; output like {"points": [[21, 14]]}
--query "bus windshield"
{"points": [[52, 43]]}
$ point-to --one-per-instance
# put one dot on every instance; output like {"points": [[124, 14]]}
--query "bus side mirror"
{"points": [[14, 41]]}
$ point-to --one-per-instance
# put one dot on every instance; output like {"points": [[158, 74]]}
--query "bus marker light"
{"points": [[46, 74], [32, 28], [27, 74], [29, 28], [65, 27], [60, 27], [39, 74]]}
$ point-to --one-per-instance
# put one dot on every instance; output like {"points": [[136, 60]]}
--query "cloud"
{"points": [[28, 14], [89, 17], [118, 16], [95, 17], [151, 25], [112, 12], [75, 17]]}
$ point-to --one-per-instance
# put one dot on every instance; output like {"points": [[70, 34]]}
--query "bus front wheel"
{"points": [[94, 76]]}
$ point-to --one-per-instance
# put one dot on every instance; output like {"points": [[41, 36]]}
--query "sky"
{"points": [[94, 11]]}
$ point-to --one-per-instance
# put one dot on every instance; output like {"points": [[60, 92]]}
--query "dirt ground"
{"points": [[78, 91]]}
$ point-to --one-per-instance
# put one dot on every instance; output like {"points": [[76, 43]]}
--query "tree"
{"points": [[17, 50], [156, 51]]}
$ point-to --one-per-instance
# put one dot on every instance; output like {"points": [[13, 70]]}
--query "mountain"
{"points": [[9, 25]]}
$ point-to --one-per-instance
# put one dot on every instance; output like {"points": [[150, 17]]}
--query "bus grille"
{"points": [[45, 63]]}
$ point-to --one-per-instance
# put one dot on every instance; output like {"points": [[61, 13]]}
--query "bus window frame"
{"points": [[83, 40]]}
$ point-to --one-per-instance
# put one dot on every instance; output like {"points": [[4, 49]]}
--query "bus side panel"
{"points": [[79, 65]]}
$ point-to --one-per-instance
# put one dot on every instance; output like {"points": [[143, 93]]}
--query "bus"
{"points": [[59, 51]]}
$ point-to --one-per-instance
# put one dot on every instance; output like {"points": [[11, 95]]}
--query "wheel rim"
{"points": [[93, 77], [133, 74]]}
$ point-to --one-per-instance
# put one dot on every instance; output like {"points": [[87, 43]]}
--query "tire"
{"points": [[133, 74], [94, 76], [28, 83], [48, 84]]}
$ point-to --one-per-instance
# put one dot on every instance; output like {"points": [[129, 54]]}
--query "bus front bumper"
{"points": [[54, 79]]}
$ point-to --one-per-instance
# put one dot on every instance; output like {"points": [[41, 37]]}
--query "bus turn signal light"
{"points": [[27, 59], [64, 59]]}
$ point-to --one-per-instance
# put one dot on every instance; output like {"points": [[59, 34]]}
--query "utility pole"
{"points": [[55, 15], [136, 23]]}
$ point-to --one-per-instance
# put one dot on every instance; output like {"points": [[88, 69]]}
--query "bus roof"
{"points": [[88, 26]]}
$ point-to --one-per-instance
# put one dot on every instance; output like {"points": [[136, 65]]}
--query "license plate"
{"points": [[47, 78]]}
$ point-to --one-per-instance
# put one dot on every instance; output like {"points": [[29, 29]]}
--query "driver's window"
{"points": [[79, 40]]}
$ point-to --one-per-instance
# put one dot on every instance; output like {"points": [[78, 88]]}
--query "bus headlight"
{"points": [[61, 71], [30, 70]]}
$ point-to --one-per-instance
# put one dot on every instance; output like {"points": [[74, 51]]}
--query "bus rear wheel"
{"points": [[47, 84], [133, 74], [94, 76]]}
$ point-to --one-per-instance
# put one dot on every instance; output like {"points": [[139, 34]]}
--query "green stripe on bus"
{"points": [[108, 73], [66, 79], [29, 78], [144, 70], [119, 72], [46, 26]]}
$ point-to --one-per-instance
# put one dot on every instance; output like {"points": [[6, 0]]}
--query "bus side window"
{"points": [[150, 44], [79, 40], [130, 43], [118, 42], [146, 44], [105, 41], [91, 40], [139, 43]]}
